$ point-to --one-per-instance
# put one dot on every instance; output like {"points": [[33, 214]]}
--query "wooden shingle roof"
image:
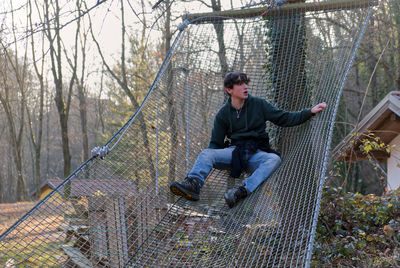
{"points": [[382, 121]]}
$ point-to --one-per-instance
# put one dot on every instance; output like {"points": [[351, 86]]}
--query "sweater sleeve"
{"points": [[218, 133], [283, 118]]}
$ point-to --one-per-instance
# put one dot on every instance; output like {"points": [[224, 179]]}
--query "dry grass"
{"points": [[33, 242], [10, 213]]}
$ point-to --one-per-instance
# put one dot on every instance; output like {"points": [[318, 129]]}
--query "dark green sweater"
{"points": [[251, 122]]}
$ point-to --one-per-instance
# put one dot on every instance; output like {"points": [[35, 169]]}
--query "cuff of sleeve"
{"points": [[309, 113]]}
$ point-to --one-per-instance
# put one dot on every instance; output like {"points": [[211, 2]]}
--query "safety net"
{"points": [[116, 209]]}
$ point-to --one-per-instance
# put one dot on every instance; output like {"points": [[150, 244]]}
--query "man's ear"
{"points": [[228, 90]]}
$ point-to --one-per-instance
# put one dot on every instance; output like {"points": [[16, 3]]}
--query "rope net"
{"points": [[119, 212]]}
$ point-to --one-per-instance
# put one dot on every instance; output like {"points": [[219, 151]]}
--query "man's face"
{"points": [[239, 91]]}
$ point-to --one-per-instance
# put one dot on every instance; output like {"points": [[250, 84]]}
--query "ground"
{"points": [[10, 213]]}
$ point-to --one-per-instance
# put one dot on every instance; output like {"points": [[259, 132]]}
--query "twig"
{"points": [[363, 102]]}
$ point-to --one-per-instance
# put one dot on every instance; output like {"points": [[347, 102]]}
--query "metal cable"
{"points": [[120, 212]]}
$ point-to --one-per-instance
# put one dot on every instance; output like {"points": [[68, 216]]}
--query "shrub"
{"points": [[357, 230]]}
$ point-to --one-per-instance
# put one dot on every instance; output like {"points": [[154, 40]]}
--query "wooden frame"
{"points": [[284, 9]]}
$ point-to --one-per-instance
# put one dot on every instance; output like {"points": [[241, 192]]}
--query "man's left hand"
{"points": [[318, 108]]}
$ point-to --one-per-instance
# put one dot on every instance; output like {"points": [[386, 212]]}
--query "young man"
{"points": [[242, 120]]}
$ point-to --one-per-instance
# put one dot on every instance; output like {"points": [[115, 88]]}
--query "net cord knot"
{"points": [[183, 25], [101, 151]]}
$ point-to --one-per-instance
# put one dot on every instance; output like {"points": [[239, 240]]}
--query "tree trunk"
{"points": [[11, 196], [16, 150], [83, 117], [11, 62], [287, 75], [123, 83], [219, 29], [56, 69], [1, 188], [286, 57], [170, 103], [36, 138], [81, 85], [371, 64], [396, 14]]}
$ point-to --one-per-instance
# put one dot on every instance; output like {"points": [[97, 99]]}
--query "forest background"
{"points": [[72, 73]]}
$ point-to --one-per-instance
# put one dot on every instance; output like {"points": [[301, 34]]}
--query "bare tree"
{"points": [[122, 79], [62, 97], [99, 123], [170, 99], [219, 29], [15, 68], [80, 42], [37, 134]]}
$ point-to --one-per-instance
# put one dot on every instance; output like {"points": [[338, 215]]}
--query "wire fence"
{"points": [[117, 211]]}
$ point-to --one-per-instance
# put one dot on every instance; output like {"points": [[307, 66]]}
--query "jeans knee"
{"points": [[206, 154], [275, 160]]}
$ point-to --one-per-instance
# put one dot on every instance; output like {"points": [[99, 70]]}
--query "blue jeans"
{"points": [[261, 164]]}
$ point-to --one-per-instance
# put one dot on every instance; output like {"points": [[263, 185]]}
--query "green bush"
{"points": [[357, 230]]}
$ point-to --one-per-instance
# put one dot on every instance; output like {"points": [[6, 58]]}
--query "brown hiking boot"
{"points": [[189, 188]]}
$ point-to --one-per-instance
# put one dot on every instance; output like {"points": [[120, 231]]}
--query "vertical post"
{"points": [[122, 231], [187, 120], [97, 228], [157, 140], [116, 227]]}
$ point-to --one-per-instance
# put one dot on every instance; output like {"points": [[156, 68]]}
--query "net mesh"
{"points": [[118, 211]]}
